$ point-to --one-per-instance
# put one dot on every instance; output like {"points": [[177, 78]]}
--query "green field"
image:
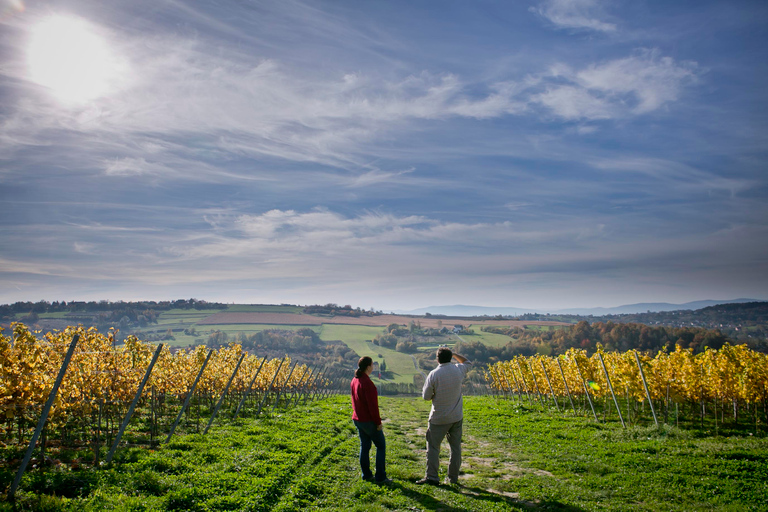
{"points": [[490, 339], [515, 457], [252, 328], [58, 314], [354, 336], [263, 308]]}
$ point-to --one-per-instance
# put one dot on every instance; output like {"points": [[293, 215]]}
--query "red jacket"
{"points": [[365, 400]]}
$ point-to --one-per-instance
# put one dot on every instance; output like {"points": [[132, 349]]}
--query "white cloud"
{"points": [[575, 14], [650, 79], [634, 85], [229, 103], [377, 176], [130, 166], [514, 206], [84, 248], [572, 102]]}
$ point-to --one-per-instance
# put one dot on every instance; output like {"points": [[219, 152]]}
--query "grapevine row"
{"points": [[733, 377], [102, 379]]}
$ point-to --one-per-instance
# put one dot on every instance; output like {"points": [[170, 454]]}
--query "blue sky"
{"points": [[395, 155]]}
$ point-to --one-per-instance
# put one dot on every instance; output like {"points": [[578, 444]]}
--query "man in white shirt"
{"points": [[443, 387]]}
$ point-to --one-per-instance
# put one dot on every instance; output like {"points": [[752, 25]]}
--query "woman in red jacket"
{"points": [[365, 414]]}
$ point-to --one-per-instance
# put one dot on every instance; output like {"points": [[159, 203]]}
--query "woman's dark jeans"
{"points": [[369, 434]]}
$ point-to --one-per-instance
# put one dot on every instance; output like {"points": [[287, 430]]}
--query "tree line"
{"points": [[583, 335], [304, 345], [8, 312]]}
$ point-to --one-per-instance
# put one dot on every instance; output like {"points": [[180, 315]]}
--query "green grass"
{"points": [[354, 336], [252, 328], [263, 308], [490, 339], [58, 314], [515, 457]]}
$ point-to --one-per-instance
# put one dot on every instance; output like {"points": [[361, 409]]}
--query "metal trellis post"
{"points": [[318, 379], [250, 386], [546, 375], [296, 393], [610, 386], [189, 396], [266, 391], [586, 389], [525, 384], [287, 381], [224, 394], [562, 373], [43, 416], [304, 385], [311, 383], [131, 407], [536, 383], [648, 393]]}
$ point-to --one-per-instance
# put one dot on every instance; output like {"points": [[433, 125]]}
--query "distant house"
{"points": [[458, 328]]}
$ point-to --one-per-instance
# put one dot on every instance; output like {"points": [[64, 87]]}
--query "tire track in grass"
{"points": [[314, 480], [296, 484], [482, 462]]}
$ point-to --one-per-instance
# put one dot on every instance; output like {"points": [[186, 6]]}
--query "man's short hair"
{"points": [[444, 355]]}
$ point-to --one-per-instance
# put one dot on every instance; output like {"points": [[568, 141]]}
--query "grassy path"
{"points": [[515, 458]]}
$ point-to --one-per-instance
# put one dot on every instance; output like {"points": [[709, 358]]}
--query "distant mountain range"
{"points": [[643, 307]]}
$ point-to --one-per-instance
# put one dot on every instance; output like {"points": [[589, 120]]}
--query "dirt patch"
{"points": [[504, 470], [476, 441], [513, 495]]}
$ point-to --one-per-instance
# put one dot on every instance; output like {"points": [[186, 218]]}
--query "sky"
{"points": [[388, 155]]}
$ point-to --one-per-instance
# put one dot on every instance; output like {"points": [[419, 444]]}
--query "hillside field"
{"points": [[355, 332], [516, 457]]}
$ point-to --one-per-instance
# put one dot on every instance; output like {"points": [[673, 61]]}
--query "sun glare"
{"points": [[70, 58]]}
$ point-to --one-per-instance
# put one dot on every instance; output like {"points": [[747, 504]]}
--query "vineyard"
{"points": [[519, 454], [715, 385], [101, 389]]}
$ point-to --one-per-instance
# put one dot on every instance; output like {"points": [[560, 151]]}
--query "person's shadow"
{"points": [[431, 503]]}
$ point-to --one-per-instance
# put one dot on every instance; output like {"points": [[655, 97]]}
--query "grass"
{"points": [[490, 339], [515, 457], [253, 328], [263, 308], [354, 336]]}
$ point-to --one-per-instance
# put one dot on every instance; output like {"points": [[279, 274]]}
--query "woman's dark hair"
{"points": [[362, 365]]}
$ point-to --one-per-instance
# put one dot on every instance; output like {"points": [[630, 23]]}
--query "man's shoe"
{"points": [[386, 481], [427, 481], [448, 481]]}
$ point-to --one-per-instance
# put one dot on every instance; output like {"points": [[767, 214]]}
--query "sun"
{"points": [[68, 56]]}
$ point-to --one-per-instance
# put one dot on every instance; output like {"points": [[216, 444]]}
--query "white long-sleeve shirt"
{"points": [[443, 387]]}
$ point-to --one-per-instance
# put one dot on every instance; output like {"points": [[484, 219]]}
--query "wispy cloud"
{"points": [[399, 151], [633, 85], [575, 14]]}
